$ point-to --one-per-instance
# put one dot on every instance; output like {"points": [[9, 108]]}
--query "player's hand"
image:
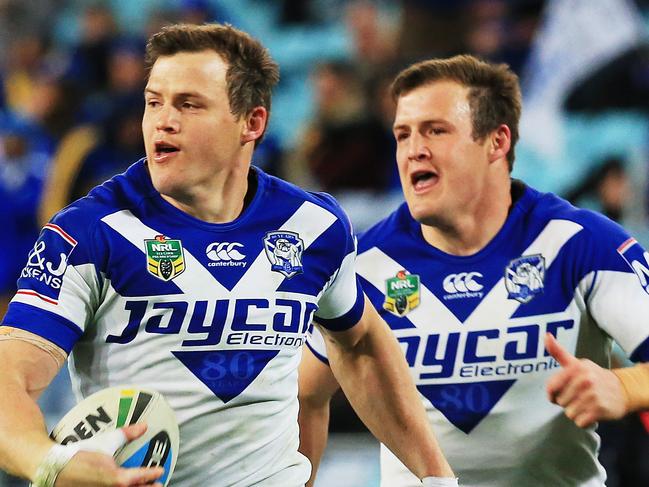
{"points": [[587, 392], [98, 468]]}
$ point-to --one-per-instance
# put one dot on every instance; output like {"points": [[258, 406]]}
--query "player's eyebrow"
{"points": [[183, 95], [432, 121]]}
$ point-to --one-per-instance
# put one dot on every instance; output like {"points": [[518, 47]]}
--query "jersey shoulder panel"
{"points": [[340, 234], [600, 240], [285, 190], [551, 206], [398, 222]]}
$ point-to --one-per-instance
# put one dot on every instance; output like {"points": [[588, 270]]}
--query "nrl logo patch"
{"points": [[284, 251], [524, 277], [165, 257], [402, 293]]}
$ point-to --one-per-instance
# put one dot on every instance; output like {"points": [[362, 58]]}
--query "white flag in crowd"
{"points": [[575, 39]]}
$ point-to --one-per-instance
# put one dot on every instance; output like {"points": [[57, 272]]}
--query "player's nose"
{"points": [[167, 119], [418, 150]]}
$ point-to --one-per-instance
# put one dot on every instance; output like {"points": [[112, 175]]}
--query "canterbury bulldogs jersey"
{"points": [[472, 332], [211, 315]]}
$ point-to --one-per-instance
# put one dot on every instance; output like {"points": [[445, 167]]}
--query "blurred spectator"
{"points": [[89, 65], [55, 114], [382, 107], [525, 19], [22, 170], [345, 146], [200, 12], [605, 190], [124, 84], [66, 163], [373, 38], [431, 28], [53, 110], [119, 144], [311, 12], [158, 19], [25, 60], [296, 12], [487, 28], [497, 30], [49, 111], [23, 19], [110, 137], [502, 31], [187, 11]]}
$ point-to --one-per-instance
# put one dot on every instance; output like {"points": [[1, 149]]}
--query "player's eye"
{"points": [[401, 136], [152, 103]]}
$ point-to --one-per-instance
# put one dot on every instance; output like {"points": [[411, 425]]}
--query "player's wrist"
{"points": [[439, 482], [635, 386], [58, 456], [54, 461]]}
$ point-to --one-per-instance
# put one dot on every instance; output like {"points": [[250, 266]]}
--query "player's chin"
{"points": [[166, 184], [422, 211]]}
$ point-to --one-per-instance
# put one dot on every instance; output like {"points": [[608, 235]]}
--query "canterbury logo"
{"points": [[224, 251], [158, 454], [464, 282]]}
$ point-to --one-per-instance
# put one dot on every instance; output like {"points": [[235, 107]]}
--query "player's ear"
{"points": [[255, 124], [500, 142]]}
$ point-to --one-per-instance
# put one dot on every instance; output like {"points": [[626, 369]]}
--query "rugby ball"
{"points": [[115, 407]]}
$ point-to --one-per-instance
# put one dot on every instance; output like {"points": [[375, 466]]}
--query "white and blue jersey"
{"points": [[211, 315], [472, 332]]}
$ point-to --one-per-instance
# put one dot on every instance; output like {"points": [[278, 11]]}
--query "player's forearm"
{"points": [[376, 379], [23, 438], [316, 386], [314, 426], [27, 371]]}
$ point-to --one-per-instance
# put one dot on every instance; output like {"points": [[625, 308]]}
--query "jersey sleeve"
{"points": [[618, 294], [58, 289], [342, 302], [315, 342]]}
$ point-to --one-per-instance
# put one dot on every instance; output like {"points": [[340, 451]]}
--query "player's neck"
{"points": [[221, 200], [471, 231]]}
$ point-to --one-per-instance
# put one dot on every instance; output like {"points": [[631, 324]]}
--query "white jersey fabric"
{"points": [[472, 332], [211, 315]]}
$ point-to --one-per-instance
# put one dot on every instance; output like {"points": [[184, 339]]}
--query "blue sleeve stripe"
{"points": [[317, 355], [349, 319], [641, 354], [52, 327]]}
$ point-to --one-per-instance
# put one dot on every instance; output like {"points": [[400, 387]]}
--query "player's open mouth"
{"points": [[164, 150], [422, 180]]}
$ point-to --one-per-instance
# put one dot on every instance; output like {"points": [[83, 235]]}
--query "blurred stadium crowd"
{"points": [[71, 81]]}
